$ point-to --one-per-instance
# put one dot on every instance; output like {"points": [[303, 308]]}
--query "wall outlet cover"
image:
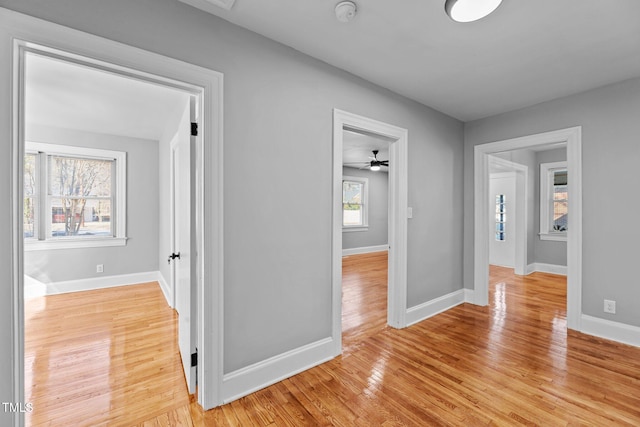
{"points": [[609, 306]]}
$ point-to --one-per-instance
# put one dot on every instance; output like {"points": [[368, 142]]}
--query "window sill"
{"points": [[350, 229], [555, 237], [46, 245]]}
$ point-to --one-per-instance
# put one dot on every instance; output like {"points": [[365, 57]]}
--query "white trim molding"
{"points": [[435, 306], [364, 203], [35, 288], [547, 268], [572, 139], [166, 289], [43, 241], [546, 203], [615, 331], [398, 208], [365, 250], [262, 374]]}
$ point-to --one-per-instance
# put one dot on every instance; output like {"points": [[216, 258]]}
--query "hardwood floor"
{"points": [[104, 357], [510, 363]]}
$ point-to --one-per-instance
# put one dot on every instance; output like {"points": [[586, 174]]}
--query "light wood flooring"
{"points": [[511, 363], [104, 357]]}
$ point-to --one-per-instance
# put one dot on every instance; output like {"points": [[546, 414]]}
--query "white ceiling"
{"points": [[357, 149], [524, 53], [69, 96]]}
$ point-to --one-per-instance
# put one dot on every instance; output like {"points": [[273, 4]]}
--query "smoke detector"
{"points": [[345, 11]]}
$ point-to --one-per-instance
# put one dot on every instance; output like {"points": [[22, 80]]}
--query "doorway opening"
{"points": [[365, 224], [486, 212], [508, 213], [29, 35], [94, 195], [396, 138]]}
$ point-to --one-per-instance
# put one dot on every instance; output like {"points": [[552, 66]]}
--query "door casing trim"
{"points": [[397, 240], [572, 138]]}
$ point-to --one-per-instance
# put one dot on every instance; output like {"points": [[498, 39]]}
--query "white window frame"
{"points": [[364, 203], [547, 171], [118, 210]]}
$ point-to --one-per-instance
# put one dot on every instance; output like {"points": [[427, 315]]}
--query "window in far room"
{"points": [[501, 217], [554, 201], [73, 197], [354, 203]]}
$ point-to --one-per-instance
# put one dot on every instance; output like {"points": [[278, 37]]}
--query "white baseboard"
{"points": [[615, 331], [267, 372], [365, 250], [469, 295], [35, 288], [547, 268], [166, 290], [431, 308]]}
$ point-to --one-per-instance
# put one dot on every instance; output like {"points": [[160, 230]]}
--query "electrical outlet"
{"points": [[609, 306], [100, 268]]}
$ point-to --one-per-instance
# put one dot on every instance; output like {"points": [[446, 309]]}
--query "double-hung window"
{"points": [[73, 197], [354, 203], [554, 201]]}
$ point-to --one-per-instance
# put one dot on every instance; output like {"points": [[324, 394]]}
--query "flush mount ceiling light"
{"points": [[345, 11], [470, 10]]}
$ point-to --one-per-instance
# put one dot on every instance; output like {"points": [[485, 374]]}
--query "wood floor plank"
{"points": [[513, 362]]}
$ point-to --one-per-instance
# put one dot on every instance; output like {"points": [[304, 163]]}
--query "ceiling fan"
{"points": [[374, 164]]}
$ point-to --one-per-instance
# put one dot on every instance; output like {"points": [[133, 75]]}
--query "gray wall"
{"points": [[547, 251], [139, 255], [610, 148], [278, 169], [378, 205]]}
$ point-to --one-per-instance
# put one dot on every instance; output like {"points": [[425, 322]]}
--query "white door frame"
{"points": [[19, 33], [397, 286], [522, 176], [572, 137]]}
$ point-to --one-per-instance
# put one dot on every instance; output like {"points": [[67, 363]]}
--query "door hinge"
{"points": [[194, 129], [194, 359]]}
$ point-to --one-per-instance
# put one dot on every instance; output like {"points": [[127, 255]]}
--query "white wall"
{"points": [[610, 148], [138, 256]]}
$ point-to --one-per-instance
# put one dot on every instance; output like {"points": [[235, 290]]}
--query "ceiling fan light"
{"points": [[470, 10], [375, 168]]}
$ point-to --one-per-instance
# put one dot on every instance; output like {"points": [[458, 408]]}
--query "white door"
{"points": [[183, 258], [502, 217]]}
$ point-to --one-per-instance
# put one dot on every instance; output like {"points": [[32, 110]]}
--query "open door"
{"points": [[502, 216], [183, 258]]}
